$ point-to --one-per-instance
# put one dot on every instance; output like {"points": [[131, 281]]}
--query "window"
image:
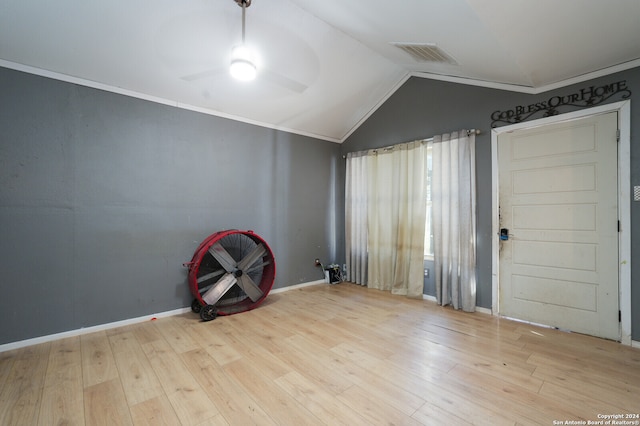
{"points": [[428, 231]]}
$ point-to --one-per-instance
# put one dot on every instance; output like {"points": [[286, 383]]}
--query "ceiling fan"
{"points": [[243, 65]]}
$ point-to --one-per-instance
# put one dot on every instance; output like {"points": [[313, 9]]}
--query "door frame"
{"points": [[624, 203]]}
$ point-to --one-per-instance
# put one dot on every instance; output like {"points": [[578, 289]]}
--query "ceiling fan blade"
{"points": [[266, 74], [283, 81], [202, 74]]}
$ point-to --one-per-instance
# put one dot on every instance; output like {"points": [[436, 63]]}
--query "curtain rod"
{"points": [[388, 148]]}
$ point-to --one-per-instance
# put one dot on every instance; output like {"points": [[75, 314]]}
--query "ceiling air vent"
{"points": [[425, 52]]}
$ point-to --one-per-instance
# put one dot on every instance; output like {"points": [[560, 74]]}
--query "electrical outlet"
{"points": [[426, 272], [318, 262]]}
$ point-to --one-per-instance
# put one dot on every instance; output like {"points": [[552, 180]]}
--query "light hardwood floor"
{"points": [[334, 355]]}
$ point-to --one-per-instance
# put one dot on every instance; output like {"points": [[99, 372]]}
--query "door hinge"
{"points": [[619, 316], [617, 135], [618, 226]]}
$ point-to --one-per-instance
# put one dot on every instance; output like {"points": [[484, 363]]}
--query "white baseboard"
{"points": [[478, 308], [296, 286], [429, 298], [86, 330], [484, 310]]}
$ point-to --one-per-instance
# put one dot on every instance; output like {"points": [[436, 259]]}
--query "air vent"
{"points": [[426, 52]]}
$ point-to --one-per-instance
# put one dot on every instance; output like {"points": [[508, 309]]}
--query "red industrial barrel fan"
{"points": [[231, 271]]}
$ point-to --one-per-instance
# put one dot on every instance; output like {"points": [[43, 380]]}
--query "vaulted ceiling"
{"points": [[324, 65]]}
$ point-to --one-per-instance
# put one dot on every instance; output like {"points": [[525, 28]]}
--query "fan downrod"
{"points": [[246, 3]]}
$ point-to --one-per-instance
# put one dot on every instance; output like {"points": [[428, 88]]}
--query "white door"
{"points": [[558, 200]]}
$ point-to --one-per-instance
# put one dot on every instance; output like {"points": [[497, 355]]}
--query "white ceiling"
{"points": [[325, 64]]}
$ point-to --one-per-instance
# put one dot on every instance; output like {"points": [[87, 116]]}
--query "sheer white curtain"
{"points": [[395, 193], [454, 219], [356, 218]]}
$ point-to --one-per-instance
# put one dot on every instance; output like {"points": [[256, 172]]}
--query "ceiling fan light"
{"points": [[243, 70], [242, 65]]}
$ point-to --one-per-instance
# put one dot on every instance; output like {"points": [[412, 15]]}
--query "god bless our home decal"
{"points": [[588, 97]]}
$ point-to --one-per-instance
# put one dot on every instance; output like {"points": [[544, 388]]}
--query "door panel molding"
{"points": [[624, 202]]}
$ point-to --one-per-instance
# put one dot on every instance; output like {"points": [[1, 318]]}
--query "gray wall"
{"points": [[423, 108], [104, 196]]}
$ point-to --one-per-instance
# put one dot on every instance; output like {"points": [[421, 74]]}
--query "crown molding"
{"points": [[530, 89], [126, 92]]}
